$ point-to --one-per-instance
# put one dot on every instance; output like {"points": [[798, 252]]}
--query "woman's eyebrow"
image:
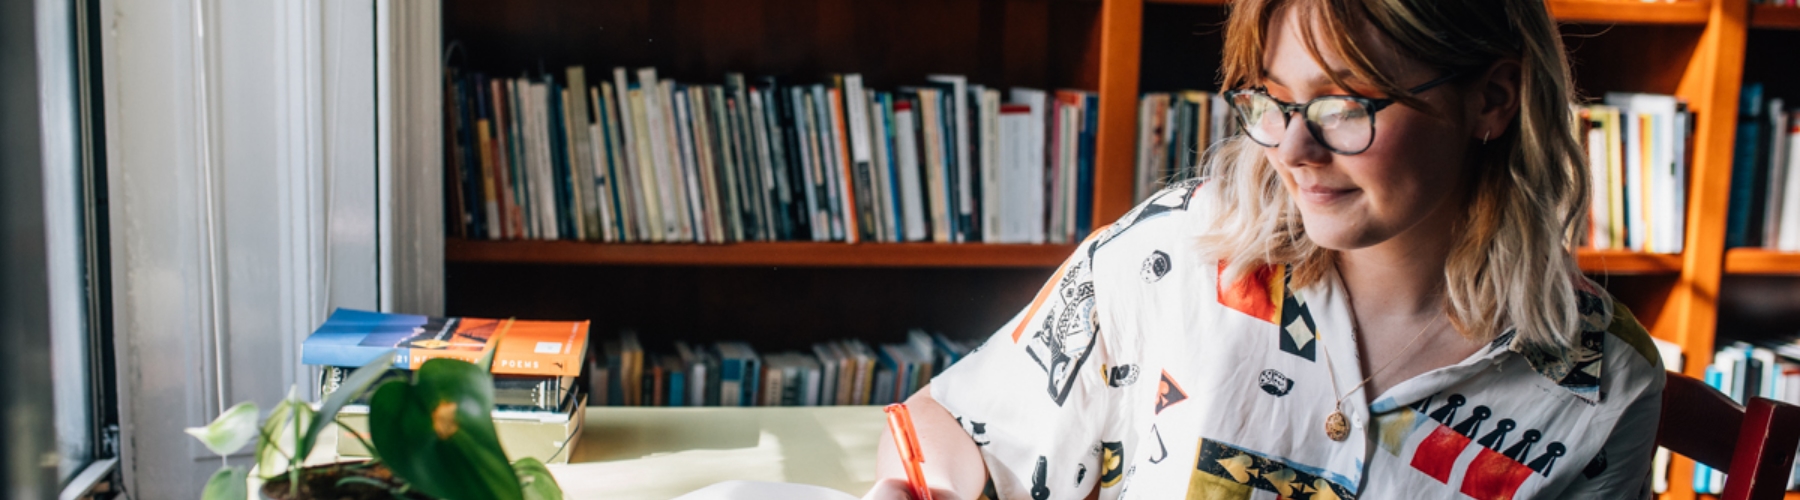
{"points": [[1318, 79]]}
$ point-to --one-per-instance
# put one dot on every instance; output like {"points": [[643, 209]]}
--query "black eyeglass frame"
{"points": [[1287, 111]]}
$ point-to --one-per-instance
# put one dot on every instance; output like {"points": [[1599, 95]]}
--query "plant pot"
{"points": [[321, 483]]}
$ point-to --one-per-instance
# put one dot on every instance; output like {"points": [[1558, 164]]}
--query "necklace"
{"points": [[1336, 426]]}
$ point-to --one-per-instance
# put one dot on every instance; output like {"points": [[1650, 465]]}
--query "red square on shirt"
{"points": [[1436, 455], [1492, 476]]}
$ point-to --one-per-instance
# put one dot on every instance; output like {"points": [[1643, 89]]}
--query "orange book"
{"points": [[540, 348], [851, 230]]}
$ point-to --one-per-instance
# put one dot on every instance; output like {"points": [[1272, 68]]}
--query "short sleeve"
{"points": [[1034, 396]]}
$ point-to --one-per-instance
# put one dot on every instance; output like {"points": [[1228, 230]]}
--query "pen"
{"points": [[906, 441]]}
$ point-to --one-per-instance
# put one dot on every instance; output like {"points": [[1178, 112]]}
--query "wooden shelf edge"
{"points": [[1220, 3], [1627, 262], [1694, 12], [1773, 17], [1761, 261], [774, 254]]}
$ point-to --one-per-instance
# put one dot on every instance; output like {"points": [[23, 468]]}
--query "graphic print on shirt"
{"points": [[1066, 333], [1155, 267], [1162, 452], [1112, 463], [977, 430], [1265, 293], [1493, 473], [1275, 383], [1120, 376], [1168, 392], [1226, 471], [1040, 491], [1175, 198]]}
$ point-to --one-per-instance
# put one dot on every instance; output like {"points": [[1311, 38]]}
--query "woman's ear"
{"points": [[1496, 99]]}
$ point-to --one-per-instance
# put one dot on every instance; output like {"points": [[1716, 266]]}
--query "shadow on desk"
{"points": [[660, 453]]}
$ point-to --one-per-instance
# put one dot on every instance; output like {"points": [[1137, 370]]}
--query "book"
{"points": [[511, 392], [351, 337], [550, 437]]}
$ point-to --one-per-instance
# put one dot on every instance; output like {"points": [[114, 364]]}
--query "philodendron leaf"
{"points": [[536, 480], [230, 432], [226, 484], [353, 386], [280, 433], [437, 433]]}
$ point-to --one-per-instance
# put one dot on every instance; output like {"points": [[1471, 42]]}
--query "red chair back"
{"points": [[1754, 445]]}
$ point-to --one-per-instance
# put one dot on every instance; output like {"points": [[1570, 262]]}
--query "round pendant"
{"points": [[1337, 427]]}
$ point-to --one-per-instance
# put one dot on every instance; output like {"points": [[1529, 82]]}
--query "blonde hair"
{"points": [[1527, 188]]}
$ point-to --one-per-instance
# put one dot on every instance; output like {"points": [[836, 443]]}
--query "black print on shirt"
{"points": [[1155, 267], [1080, 473], [1162, 451], [1122, 375], [1038, 490], [1067, 334], [1275, 383], [1112, 461], [1174, 198], [1168, 392]]}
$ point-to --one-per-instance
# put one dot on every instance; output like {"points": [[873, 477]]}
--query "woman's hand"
{"points": [[896, 489]]}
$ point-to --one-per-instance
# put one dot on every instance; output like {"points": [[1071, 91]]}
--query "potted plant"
{"points": [[433, 437]]}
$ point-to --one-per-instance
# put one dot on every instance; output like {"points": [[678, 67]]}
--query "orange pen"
{"points": [[906, 440]]}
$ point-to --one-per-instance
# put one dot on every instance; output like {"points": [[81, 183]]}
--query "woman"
{"points": [[1371, 295]]}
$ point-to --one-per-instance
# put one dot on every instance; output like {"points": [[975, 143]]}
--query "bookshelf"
{"points": [[788, 294]]}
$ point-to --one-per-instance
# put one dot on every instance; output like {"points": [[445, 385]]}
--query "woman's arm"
{"points": [[953, 465]]}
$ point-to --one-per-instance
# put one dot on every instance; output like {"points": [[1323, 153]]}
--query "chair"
{"points": [[1754, 445]]}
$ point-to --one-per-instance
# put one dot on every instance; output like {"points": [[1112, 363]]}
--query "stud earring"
{"points": [[1484, 136]]}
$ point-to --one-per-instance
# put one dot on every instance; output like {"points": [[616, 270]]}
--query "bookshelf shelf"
{"points": [[1760, 261], [1627, 262], [778, 254], [1630, 11], [1773, 17]]}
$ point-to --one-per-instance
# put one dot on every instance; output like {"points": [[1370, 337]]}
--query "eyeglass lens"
{"points": [[1342, 124]]}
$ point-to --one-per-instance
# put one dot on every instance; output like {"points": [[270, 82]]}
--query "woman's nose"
{"points": [[1298, 146]]}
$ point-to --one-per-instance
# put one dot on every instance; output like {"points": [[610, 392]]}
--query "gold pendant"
{"points": [[1336, 426]]}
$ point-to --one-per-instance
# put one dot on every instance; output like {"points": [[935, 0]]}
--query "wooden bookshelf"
{"points": [[1772, 17], [1760, 261], [772, 254], [1688, 12], [1612, 262]]}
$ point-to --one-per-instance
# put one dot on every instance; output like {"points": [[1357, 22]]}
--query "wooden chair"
{"points": [[1755, 445]]}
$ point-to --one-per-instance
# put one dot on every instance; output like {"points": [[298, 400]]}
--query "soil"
{"points": [[321, 483]]}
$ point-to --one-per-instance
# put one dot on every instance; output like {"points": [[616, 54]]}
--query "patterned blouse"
{"points": [[1137, 371]]}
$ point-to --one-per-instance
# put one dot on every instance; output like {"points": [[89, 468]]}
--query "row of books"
{"points": [[539, 406], [639, 158], [1743, 371], [1637, 152], [1765, 187], [842, 372], [1175, 129]]}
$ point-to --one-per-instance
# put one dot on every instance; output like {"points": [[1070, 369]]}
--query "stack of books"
{"points": [[1638, 152], [1742, 371], [538, 406], [640, 158], [1175, 131], [1765, 186], [842, 372]]}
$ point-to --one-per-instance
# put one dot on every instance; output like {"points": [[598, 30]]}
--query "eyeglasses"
{"points": [[1344, 124]]}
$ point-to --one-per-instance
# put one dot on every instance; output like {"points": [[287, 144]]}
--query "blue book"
{"points": [[1743, 166], [1084, 169]]}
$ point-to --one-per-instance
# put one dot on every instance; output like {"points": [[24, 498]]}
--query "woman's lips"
{"points": [[1321, 195]]}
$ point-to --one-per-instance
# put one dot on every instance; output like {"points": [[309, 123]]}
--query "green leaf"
{"points": [[230, 432], [353, 386], [227, 484], [536, 480], [276, 449], [437, 433]]}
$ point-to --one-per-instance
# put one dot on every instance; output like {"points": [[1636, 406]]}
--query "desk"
{"points": [[661, 453]]}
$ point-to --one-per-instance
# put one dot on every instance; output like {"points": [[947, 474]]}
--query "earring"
{"points": [[1484, 136]]}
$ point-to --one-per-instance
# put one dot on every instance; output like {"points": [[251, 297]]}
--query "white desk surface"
{"points": [[630, 453], [661, 453]]}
